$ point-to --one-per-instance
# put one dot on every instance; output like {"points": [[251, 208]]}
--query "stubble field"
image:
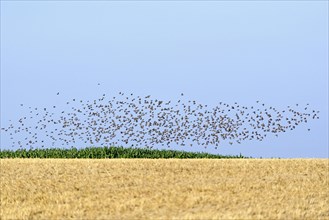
{"points": [[164, 189]]}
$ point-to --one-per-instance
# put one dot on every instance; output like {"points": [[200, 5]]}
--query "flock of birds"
{"points": [[138, 121]]}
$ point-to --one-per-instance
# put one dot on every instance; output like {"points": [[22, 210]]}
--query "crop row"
{"points": [[107, 152]]}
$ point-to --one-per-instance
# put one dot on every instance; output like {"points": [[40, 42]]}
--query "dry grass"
{"points": [[164, 189]]}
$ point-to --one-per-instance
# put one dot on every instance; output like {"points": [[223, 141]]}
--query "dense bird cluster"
{"points": [[145, 122]]}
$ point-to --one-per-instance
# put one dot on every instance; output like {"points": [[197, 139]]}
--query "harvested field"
{"points": [[164, 189]]}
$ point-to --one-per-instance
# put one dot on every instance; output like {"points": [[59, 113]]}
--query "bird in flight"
{"points": [[146, 122]]}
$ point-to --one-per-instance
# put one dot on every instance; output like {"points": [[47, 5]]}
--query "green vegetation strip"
{"points": [[107, 152]]}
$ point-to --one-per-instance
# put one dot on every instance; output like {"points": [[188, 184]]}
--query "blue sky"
{"points": [[240, 51]]}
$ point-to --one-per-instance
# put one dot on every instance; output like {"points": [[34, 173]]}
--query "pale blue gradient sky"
{"points": [[276, 52]]}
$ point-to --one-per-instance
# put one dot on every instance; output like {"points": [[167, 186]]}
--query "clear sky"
{"points": [[240, 51]]}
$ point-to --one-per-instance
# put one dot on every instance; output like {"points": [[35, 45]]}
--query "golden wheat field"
{"points": [[164, 189]]}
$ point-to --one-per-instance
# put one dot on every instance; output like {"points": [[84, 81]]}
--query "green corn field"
{"points": [[108, 152]]}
